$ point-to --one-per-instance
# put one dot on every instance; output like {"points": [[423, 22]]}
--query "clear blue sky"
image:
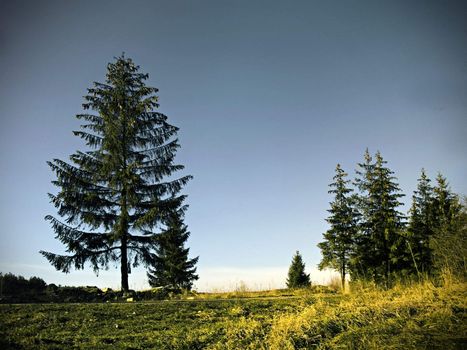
{"points": [[268, 95]]}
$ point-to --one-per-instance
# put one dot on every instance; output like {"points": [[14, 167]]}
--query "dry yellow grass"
{"points": [[418, 316]]}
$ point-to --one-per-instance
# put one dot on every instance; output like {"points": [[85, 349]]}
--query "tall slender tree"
{"points": [[337, 247], [445, 204], [171, 266], [449, 224], [114, 196], [420, 226], [382, 222], [363, 258]]}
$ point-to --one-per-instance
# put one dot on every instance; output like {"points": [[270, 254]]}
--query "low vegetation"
{"points": [[418, 316], [172, 324]]}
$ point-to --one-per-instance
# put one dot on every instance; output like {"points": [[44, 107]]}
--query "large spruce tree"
{"points": [[171, 267], [381, 241], [114, 195], [338, 245]]}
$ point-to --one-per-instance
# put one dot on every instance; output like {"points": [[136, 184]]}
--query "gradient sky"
{"points": [[268, 95]]}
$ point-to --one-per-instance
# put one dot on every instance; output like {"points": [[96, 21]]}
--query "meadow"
{"points": [[418, 316]]}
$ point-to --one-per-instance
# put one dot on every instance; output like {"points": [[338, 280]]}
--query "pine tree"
{"points": [[382, 223], [297, 278], [338, 244], [171, 267], [445, 204], [362, 259], [420, 227], [113, 196], [449, 223]]}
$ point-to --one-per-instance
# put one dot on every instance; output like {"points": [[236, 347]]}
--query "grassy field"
{"points": [[419, 317]]}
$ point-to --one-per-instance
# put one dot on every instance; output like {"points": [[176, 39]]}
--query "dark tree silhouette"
{"points": [[171, 267]]}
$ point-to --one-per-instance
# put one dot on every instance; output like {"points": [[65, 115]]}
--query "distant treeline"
{"points": [[17, 289], [370, 239], [11, 284]]}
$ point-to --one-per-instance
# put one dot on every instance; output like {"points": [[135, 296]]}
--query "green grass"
{"points": [[418, 317], [159, 325]]}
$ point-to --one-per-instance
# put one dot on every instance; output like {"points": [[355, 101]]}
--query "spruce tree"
{"points": [[362, 258], [382, 223], [420, 226], [114, 195], [337, 247], [445, 204], [449, 223], [171, 266], [297, 278]]}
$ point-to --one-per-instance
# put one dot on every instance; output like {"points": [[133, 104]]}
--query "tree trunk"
{"points": [[388, 273], [343, 277], [124, 229], [124, 266], [386, 258], [124, 241]]}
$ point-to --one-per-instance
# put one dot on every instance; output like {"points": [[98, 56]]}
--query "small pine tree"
{"points": [[171, 267], [338, 244], [297, 278]]}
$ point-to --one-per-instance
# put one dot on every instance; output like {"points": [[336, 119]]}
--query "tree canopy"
{"points": [[114, 196], [337, 247], [370, 239]]}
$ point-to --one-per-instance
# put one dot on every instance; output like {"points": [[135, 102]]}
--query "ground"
{"points": [[417, 317]]}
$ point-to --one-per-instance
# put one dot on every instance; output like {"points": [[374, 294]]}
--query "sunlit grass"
{"points": [[420, 316], [415, 316]]}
